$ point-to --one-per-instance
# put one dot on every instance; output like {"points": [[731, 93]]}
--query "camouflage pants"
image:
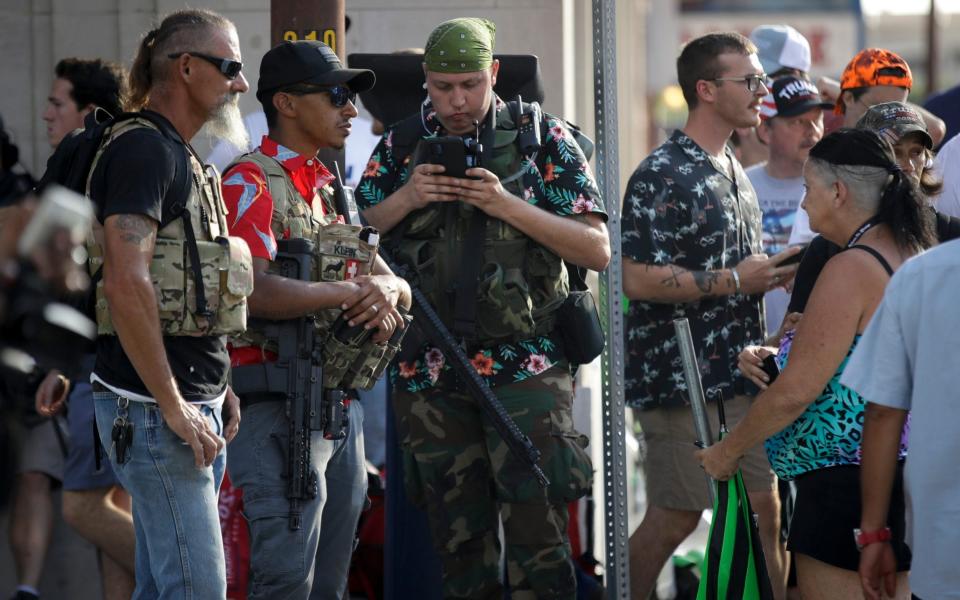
{"points": [[463, 474]]}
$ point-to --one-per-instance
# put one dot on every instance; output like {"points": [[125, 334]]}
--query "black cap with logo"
{"points": [[792, 96], [307, 61]]}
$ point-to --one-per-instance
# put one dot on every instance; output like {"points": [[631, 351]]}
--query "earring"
{"points": [[424, 85]]}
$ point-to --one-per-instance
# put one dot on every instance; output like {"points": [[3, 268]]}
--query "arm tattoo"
{"points": [[674, 279], [137, 230], [705, 280]]}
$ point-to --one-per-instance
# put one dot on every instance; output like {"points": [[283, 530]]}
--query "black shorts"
{"points": [[828, 509]]}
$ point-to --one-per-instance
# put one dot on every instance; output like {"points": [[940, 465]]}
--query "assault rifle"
{"points": [[428, 321], [296, 374]]}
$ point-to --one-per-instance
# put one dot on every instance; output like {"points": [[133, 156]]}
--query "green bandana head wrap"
{"points": [[461, 45]]}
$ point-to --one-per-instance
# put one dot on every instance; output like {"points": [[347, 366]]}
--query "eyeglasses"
{"points": [[753, 81], [339, 94], [229, 68]]}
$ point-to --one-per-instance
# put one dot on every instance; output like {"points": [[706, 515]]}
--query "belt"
{"points": [[259, 378], [99, 387]]}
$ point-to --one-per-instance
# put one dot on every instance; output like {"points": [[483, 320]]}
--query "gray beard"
{"points": [[226, 123]]}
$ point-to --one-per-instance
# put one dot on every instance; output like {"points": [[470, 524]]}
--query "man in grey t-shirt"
{"points": [[906, 361], [791, 123]]}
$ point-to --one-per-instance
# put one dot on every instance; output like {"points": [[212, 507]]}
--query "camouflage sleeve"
{"points": [[651, 219], [250, 209], [568, 181], [382, 176]]}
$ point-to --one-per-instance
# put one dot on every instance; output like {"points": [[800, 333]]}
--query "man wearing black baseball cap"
{"points": [[281, 191], [791, 123], [308, 63]]}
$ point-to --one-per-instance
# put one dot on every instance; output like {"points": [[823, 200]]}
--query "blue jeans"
{"points": [[179, 552], [313, 561]]}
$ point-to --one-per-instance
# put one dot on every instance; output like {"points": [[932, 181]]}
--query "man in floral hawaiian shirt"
{"points": [[538, 211], [692, 249]]}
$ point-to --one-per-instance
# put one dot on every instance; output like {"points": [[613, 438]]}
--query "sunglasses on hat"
{"points": [[229, 68], [339, 94]]}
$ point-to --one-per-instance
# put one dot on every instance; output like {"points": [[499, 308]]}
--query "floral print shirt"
{"points": [[681, 207], [566, 187]]}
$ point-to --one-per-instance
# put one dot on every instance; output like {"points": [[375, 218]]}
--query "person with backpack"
{"points": [[488, 249], [170, 286], [93, 502], [80, 86], [278, 195]]}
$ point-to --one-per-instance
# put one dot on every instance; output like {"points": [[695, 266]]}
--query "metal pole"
{"points": [[611, 292], [691, 373], [933, 49]]}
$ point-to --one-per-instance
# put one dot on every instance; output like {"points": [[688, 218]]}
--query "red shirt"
{"points": [[250, 211]]}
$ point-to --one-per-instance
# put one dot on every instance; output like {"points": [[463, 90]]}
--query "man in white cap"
{"points": [[782, 50]]}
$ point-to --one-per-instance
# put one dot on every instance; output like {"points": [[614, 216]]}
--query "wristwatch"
{"points": [[865, 538]]}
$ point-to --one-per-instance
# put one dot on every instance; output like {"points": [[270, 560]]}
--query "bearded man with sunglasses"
{"points": [[281, 191], [160, 381], [692, 248]]}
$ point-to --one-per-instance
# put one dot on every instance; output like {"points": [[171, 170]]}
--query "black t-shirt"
{"points": [[135, 175], [815, 258], [820, 251]]}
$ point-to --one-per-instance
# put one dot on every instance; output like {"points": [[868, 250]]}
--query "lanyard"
{"points": [[859, 233]]}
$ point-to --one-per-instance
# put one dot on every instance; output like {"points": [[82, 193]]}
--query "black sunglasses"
{"points": [[229, 68], [339, 94]]}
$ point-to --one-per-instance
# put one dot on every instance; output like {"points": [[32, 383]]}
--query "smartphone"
{"points": [[796, 258], [448, 151], [771, 368]]}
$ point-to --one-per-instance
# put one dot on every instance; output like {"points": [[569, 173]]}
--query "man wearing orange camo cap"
{"points": [[875, 76]]}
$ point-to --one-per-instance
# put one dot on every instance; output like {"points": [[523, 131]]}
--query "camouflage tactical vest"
{"points": [[226, 267], [341, 252], [521, 283]]}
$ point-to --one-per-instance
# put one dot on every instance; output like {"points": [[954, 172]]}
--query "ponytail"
{"points": [[904, 208], [141, 77], [180, 31]]}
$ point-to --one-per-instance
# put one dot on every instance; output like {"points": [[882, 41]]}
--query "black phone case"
{"points": [[447, 151], [771, 368]]}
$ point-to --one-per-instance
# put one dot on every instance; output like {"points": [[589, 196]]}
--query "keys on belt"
{"points": [[122, 432]]}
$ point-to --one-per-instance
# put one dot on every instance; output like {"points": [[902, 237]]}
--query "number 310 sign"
{"points": [[327, 36]]}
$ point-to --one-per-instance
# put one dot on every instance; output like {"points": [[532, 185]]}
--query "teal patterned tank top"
{"points": [[827, 434]]}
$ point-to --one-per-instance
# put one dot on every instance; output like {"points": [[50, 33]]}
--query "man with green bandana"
{"points": [[534, 212]]}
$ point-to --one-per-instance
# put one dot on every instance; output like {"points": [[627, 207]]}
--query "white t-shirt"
{"points": [[779, 202], [907, 359], [947, 166]]}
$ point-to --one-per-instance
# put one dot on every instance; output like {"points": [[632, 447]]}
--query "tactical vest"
{"points": [[521, 282], [198, 236], [341, 252]]}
